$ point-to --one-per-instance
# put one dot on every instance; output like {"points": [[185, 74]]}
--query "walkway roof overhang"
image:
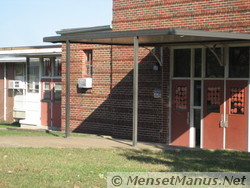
{"points": [[19, 54], [152, 37], [12, 60], [143, 38]]}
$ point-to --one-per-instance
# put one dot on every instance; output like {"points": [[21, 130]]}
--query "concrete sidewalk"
{"points": [[91, 141]]}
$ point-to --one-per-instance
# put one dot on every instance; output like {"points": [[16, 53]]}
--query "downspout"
{"points": [[67, 133]]}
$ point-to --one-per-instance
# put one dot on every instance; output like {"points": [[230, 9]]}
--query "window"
{"points": [[33, 75], [47, 93], [19, 69], [20, 72], [182, 62], [239, 62], [51, 67], [57, 69], [213, 99], [197, 93], [198, 62], [57, 91], [213, 67], [46, 67], [88, 62]]}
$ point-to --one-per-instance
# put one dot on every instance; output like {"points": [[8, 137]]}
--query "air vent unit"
{"points": [[16, 84], [85, 83]]}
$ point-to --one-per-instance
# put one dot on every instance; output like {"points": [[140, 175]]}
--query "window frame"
{"points": [[88, 62], [53, 61]]}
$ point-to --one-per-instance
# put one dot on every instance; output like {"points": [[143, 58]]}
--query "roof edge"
{"points": [[84, 30], [29, 47]]}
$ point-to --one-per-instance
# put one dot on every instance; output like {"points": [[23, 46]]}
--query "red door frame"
{"points": [[213, 98], [56, 106], [226, 129], [45, 104], [51, 108], [237, 112], [180, 126]]}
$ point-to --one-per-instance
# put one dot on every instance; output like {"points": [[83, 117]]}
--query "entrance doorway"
{"points": [[181, 112], [209, 101], [51, 92], [51, 103], [225, 114]]}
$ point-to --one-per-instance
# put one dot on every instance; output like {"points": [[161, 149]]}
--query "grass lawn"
{"points": [[9, 132], [8, 126], [48, 167]]}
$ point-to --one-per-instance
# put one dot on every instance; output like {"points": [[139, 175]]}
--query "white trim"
{"points": [[52, 85], [226, 78], [5, 94], [248, 118], [32, 51], [202, 111], [191, 116], [248, 127], [191, 113], [171, 70], [40, 91], [12, 59], [224, 112]]}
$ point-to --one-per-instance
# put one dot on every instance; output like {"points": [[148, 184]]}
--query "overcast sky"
{"points": [[26, 22]]}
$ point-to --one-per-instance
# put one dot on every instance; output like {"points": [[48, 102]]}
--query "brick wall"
{"points": [[1, 92], [213, 15], [9, 94], [107, 108]]}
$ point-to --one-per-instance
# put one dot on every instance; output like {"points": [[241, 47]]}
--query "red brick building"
{"points": [[193, 73]]}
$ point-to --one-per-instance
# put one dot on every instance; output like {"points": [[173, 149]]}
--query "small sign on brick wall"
{"points": [[157, 93]]}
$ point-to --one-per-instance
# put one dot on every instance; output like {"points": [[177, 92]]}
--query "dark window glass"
{"points": [[239, 62], [237, 100], [213, 67], [89, 63], [180, 98], [46, 90], [33, 75], [197, 93], [46, 65], [197, 125], [213, 99], [57, 67], [198, 62], [57, 91], [182, 62]]}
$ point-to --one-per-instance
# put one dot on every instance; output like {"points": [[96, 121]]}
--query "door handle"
{"points": [[226, 121], [222, 123]]}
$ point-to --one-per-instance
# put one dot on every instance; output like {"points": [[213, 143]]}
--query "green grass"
{"points": [[12, 132], [8, 126], [47, 167]]}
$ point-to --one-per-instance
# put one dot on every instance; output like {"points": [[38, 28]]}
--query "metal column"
{"points": [[67, 133], [135, 92]]}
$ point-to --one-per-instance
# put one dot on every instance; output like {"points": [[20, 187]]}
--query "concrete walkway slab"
{"points": [[91, 141]]}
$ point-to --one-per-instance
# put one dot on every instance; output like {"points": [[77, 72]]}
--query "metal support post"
{"points": [[135, 91], [67, 133]]}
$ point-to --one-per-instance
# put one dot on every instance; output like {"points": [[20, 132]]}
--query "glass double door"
{"points": [[220, 122]]}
